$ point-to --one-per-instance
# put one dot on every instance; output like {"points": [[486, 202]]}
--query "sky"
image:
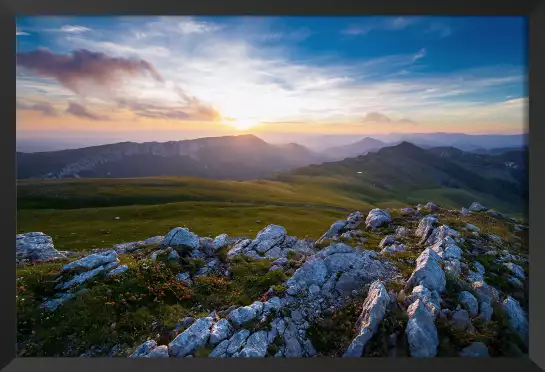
{"points": [[171, 78]]}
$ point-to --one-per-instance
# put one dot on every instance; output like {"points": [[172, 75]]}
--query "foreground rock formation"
{"points": [[338, 268]]}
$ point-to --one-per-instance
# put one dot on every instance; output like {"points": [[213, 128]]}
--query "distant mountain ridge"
{"points": [[231, 157], [407, 168], [360, 147]]}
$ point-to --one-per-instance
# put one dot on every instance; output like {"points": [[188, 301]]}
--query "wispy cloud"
{"points": [[441, 29], [20, 33], [42, 107], [81, 111], [74, 29], [421, 54], [393, 24]]}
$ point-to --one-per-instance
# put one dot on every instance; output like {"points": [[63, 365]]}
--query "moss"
{"points": [[395, 321], [334, 332], [203, 352]]}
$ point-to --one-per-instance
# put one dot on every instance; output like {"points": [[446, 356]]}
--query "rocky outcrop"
{"points": [[35, 246], [180, 238], [374, 309]]}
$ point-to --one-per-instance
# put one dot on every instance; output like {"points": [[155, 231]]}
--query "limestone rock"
{"points": [[374, 308], [35, 246], [191, 339], [376, 218]]}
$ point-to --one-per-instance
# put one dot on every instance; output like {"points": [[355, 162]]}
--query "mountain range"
{"points": [[232, 157], [397, 169]]}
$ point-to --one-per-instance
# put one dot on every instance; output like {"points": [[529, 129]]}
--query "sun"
{"points": [[243, 124]]}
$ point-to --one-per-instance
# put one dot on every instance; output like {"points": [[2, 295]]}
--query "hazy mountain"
{"points": [[361, 147], [231, 157], [407, 167], [466, 142]]}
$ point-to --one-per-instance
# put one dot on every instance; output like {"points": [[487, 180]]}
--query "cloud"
{"points": [[193, 110], [379, 118], [190, 26], [20, 33], [74, 29], [43, 107], [81, 68], [389, 24], [421, 54], [376, 117], [441, 29], [79, 110]]}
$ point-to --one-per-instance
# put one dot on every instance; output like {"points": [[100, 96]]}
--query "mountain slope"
{"points": [[407, 168], [360, 147], [232, 157]]}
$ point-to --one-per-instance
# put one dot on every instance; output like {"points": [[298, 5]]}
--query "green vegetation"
{"points": [[332, 334], [127, 308]]}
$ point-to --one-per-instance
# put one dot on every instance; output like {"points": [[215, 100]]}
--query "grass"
{"points": [[79, 229], [334, 332], [127, 309]]}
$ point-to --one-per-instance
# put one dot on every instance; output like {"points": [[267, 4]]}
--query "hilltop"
{"points": [[428, 281]]}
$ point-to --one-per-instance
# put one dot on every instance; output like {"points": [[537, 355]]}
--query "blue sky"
{"points": [[272, 74]]}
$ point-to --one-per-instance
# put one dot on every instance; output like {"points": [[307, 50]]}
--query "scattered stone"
{"points": [[469, 302], [159, 352], [221, 241], [472, 227], [191, 339], [517, 317], [460, 318], [242, 315], [515, 282], [425, 227], [118, 270], [180, 238], [430, 206], [515, 269], [476, 207], [220, 331], [401, 232], [407, 211], [256, 345], [376, 218], [464, 211], [388, 240], [428, 272], [268, 238], [35, 246], [220, 350], [430, 299], [354, 220], [144, 349], [236, 342], [85, 276], [476, 349], [372, 314], [173, 255], [421, 331], [90, 262]]}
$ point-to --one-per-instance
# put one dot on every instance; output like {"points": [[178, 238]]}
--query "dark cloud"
{"points": [[76, 109], [191, 109], [43, 107], [378, 118], [82, 67]]}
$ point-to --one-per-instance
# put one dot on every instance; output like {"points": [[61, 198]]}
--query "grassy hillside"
{"points": [[80, 213]]}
